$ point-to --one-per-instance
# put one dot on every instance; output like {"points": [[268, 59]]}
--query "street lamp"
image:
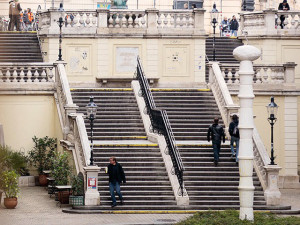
{"points": [[272, 112], [214, 21], [91, 110], [60, 24]]}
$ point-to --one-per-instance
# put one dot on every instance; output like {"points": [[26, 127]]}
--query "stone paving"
{"points": [[36, 208]]}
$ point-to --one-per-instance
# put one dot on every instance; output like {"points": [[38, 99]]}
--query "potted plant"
{"points": [[77, 183], [40, 156], [61, 172], [9, 181]]}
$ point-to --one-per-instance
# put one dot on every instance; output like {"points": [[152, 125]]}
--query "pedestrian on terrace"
{"points": [[10, 16], [285, 7], [234, 26], [235, 137], [14, 10], [116, 177], [216, 134]]}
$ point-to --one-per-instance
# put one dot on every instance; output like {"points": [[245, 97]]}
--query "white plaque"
{"points": [[126, 59]]}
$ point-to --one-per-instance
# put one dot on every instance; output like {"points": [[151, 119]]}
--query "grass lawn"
{"points": [[231, 217]]}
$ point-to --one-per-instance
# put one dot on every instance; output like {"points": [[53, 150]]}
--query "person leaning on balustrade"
{"points": [[285, 7]]}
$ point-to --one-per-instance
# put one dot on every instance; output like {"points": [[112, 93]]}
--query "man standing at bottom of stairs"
{"points": [[216, 134], [116, 176]]}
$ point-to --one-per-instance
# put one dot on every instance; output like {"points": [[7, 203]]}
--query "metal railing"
{"points": [[160, 124]]}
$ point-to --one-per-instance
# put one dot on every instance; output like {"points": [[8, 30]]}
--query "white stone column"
{"points": [[272, 193], [92, 195], [246, 54]]}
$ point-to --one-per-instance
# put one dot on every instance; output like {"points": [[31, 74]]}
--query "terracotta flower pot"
{"points": [[10, 203], [43, 180]]}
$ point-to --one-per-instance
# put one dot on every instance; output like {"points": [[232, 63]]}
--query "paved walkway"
{"points": [[36, 208]]}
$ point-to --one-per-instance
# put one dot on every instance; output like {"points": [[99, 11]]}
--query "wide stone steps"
{"points": [[20, 47]]}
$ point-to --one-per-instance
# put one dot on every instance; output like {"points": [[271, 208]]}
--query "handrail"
{"points": [[161, 125], [223, 97]]}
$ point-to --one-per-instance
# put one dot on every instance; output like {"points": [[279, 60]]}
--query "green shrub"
{"points": [[10, 185], [61, 168], [42, 153], [77, 186], [231, 217]]}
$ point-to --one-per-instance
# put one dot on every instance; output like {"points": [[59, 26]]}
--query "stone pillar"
{"points": [[272, 193], [289, 72], [246, 54], [92, 196], [199, 21], [102, 21], [152, 21], [270, 22]]}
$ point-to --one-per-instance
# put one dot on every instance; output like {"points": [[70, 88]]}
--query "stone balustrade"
{"points": [[267, 23], [26, 72], [124, 22], [264, 74]]}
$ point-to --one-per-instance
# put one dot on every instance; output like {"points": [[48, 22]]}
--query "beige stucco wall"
{"points": [[26, 116], [172, 60], [276, 51]]}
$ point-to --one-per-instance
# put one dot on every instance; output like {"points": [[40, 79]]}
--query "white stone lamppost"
{"points": [[246, 54]]}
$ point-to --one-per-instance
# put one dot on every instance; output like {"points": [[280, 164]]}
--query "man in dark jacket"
{"points": [[234, 26], [116, 176], [216, 134], [235, 136], [14, 11], [285, 7]]}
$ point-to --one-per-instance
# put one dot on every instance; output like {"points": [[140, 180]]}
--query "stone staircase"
{"points": [[118, 116], [190, 111], [19, 47]]}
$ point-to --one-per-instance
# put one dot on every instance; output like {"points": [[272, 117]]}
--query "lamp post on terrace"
{"points": [[91, 110], [214, 21], [60, 24], [272, 112]]}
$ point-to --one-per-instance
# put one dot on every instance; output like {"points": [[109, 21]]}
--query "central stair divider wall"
{"points": [[72, 123], [159, 124], [227, 107]]}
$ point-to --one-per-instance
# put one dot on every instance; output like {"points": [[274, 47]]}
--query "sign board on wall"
{"points": [[92, 183], [126, 59]]}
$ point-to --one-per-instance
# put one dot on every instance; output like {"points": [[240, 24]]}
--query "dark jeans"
{"points": [[216, 148], [112, 188], [15, 22]]}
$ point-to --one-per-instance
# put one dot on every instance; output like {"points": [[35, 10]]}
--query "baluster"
{"points": [[166, 19], [258, 76], [159, 21], [29, 75], [36, 75], [229, 76], [264, 75], [75, 20], [130, 20], [237, 77], [8, 75], [43, 75], [124, 21], [281, 75], [143, 20], [94, 19], [191, 21], [88, 20], [1, 76], [172, 20], [135, 21], [110, 21], [286, 22], [14, 76], [50, 74], [181, 21], [117, 21], [81, 20], [223, 72], [22, 75]]}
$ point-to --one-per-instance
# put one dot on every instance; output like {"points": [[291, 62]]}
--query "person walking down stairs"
{"points": [[235, 137], [116, 176], [216, 134], [14, 11]]}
